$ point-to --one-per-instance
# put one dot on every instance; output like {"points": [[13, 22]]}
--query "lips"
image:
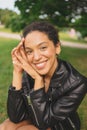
{"points": [[41, 65]]}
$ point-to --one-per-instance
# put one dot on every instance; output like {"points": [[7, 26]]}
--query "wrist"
{"points": [[39, 83], [17, 80], [15, 72]]}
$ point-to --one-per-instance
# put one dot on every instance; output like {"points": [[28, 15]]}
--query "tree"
{"points": [[5, 16], [81, 25], [59, 12]]}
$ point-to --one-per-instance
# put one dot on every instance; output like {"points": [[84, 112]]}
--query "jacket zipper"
{"points": [[72, 124], [30, 103], [29, 99]]}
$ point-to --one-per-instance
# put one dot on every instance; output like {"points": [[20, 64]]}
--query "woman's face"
{"points": [[41, 52]]}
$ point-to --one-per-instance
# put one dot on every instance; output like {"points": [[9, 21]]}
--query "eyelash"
{"points": [[43, 48], [28, 52]]}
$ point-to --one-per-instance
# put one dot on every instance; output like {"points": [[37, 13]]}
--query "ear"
{"points": [[58, 48]]}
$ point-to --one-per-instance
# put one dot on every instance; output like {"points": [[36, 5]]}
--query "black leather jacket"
{"points": [[56, 108]]}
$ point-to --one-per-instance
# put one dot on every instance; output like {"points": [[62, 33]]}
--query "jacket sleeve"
{"points": [[48, 112], [16, 107]]}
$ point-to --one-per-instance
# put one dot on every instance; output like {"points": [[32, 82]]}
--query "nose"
{"points": [[37, 55]]}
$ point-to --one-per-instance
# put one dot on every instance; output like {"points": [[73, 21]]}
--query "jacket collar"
{"points": [[58, 75]]}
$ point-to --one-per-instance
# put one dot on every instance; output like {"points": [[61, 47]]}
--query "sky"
{"points": [[8, 4]]}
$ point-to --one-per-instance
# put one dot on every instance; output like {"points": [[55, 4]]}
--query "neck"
{"points": [[48, 77], [52, 70]]}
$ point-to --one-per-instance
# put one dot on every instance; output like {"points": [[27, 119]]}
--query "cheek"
{"points": [[30, 59], [50, 53]]}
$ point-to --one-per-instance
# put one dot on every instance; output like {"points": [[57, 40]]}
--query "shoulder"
{"points": [[70, 70], [72, 78]]}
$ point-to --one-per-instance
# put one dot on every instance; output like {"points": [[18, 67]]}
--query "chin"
{"points": [[43, 72]]}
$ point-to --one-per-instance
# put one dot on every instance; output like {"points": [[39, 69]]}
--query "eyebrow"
{"points": [[38, 45]]}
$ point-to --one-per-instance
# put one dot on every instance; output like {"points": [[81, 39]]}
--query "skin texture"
{"points": [[36, 54], [37, 58]]}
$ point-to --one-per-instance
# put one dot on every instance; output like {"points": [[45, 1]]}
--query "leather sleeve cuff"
{"points": [[12, 90]]}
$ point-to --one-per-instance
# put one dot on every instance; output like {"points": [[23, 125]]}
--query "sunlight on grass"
{"points": [[7, 30], [66, 37]]}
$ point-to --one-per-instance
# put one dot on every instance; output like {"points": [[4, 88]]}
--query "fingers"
{"points": [[21, 43], [22, 53], [18, 56], [14, 56], [18, 46], [19, 59]]}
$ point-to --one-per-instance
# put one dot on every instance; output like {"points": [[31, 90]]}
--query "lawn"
{"points": [[77, 57], [64, 35]]}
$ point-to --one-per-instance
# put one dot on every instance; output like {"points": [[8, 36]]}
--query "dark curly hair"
{"points": [[44, 27]]}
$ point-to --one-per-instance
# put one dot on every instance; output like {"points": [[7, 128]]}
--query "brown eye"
{"points": [[29, 52], [43, 48]]}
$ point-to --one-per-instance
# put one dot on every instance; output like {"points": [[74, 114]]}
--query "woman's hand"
{"points": [[17, 70], [15, 61], [20, 63]]}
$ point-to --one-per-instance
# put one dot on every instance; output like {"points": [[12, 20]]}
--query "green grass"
{"points": [[7, 30], [77, 57], [6, 46], [2, 29], [66, 37]]}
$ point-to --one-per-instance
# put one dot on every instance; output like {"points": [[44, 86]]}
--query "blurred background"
{"points": [[68, 16]]}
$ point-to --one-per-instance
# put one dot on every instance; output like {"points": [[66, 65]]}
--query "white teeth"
{"points": [[40, 65]]}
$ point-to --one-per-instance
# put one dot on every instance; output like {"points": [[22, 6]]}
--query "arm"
{"points": [[16, 108], [16, 105], [49, 112]]}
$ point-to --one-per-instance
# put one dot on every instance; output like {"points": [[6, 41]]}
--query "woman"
{"points": [[46, 91]]}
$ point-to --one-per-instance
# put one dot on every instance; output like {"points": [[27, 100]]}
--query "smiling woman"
{"points": [[46, 91], [41, 52]]}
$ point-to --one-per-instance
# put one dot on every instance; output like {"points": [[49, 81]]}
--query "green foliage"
{"points": [[17, 23], [5, 16], [81, 25], [59, 12]]}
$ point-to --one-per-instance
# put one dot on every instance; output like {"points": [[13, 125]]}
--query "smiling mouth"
{"points": [[40, 65]]}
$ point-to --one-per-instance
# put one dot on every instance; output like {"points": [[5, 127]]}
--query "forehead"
{"points": [[36, 37], [35, 34]]}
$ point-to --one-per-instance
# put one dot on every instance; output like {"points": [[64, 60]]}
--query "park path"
{"points": [[63, 43]]}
